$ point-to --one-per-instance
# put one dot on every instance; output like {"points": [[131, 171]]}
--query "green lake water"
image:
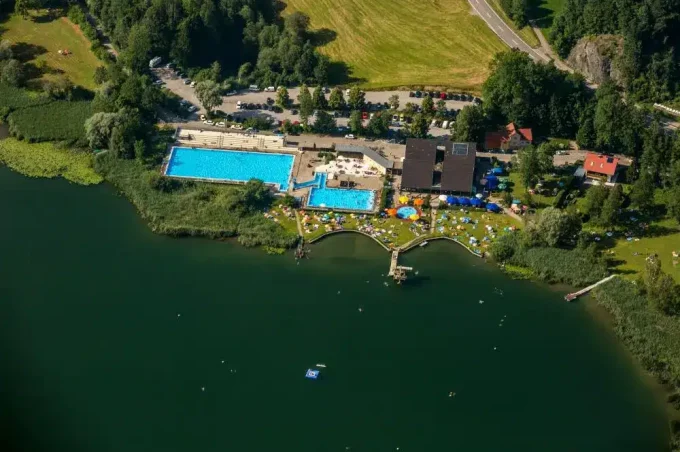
{"points": [[116, 339]]}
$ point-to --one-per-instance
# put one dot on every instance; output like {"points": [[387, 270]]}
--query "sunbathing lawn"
{"points": [[526, 33], [47, 38], [450, 224], [391, 43]]}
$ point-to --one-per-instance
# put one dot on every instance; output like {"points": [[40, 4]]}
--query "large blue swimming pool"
{"points": [[340, 198], [231, 166]]}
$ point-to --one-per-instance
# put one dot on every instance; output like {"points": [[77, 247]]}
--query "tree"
{"points": [[609, 214], [59, 88], [595, 198], [216, 71], [441, 108], [609, 118], [138, 50], [378, 125], [673, 202], [642, 194], [557, 227], [321, 69], [319, 99], [336, 100], [356, 124], [662, 292], [356, 99], [282, 97], [586, 136], [99, 127], [12, 73], [519, 12], [533, 163], [119, 144], [100, 75], [140, 150], [470, 124], [6, 52], [244, 71], [394, 101], [306, 104], [208, 94], [419, 126], [427, 105], [21, 7], [324, 123]]}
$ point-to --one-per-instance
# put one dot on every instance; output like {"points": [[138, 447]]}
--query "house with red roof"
{"points": [[601, 168], [509, 139]]}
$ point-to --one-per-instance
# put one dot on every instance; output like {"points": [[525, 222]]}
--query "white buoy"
{"points": [[203, 388], [481, 301], [222, 361], [179, 315]]}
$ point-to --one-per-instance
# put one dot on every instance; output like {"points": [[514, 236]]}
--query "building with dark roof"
{"points": [[438, 166]]}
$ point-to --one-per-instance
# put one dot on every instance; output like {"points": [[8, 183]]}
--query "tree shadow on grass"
{"points": [[45, 16], [322, 36], [25, 52], [339, 74], [541, 16]]}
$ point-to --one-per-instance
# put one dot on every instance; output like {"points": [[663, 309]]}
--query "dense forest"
{"points": [[246, 37], [650, 63]]}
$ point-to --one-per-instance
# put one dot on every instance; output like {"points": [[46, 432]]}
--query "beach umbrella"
{"points": [[392, 212], [492, 207], [442, 198], [479, 196], [418, 202], [403, 199], [464, 201], [452, 200], [414, 217], [497, 171], [475, 202]]}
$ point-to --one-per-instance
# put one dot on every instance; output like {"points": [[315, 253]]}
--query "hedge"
{"points": [[56, 121]]}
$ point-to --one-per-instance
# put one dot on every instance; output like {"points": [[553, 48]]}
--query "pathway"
{"points": [[573, 296]]}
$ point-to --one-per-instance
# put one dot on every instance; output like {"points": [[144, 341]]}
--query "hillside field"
{"points": [[42, 36], [390, 43]]}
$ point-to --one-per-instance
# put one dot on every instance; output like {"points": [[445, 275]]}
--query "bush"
{"points": [[196, 209], [55, 121], [47, 160], [578, 267], [14, 98]]}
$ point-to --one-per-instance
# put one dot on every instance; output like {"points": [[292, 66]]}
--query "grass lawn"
{"points": [[449, 224], [526, 33], [41, 37], [544, 13], [390, 43]]}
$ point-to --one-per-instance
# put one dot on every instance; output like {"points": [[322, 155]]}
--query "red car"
{"points": [[442, 96], [364, 115]]}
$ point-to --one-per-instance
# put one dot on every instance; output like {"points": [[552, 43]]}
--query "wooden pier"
{"points": [[575, 295], [398, 272]]}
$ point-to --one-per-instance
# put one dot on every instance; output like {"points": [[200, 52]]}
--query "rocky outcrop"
{"points": [[596, 57]]}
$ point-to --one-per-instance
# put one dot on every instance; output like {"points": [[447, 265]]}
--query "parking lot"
{"points": [[229, 103]]}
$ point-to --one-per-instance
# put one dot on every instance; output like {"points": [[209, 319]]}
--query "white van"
{"points": [[239, 105], [270, 89], [254, 88], [445, 125], [154, 62], [433, 123]]}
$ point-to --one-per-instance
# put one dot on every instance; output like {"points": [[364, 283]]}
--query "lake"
{"points": [[116, 339]]}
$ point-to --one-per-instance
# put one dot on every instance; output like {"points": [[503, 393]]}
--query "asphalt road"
{"points": [[177, 86], [498, 25]]}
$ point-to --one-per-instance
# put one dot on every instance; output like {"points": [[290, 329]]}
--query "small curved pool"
{"points": [[406, 211]]}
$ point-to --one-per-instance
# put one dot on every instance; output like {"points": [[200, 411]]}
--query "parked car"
{"points": [[208, 122], [442, 96], [254, 88], [187, 81], [221, 124], [411, 94], [295, 112], [231, 93], [364, 115], [270, 89], [350, 136], [158, 82], [192, 84], [418, 94]]}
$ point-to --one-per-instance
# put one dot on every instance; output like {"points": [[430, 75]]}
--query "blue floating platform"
{"points": [[312, 374]]}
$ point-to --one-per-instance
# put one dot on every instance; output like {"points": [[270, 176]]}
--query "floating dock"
{"points": [[397, 272]]}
